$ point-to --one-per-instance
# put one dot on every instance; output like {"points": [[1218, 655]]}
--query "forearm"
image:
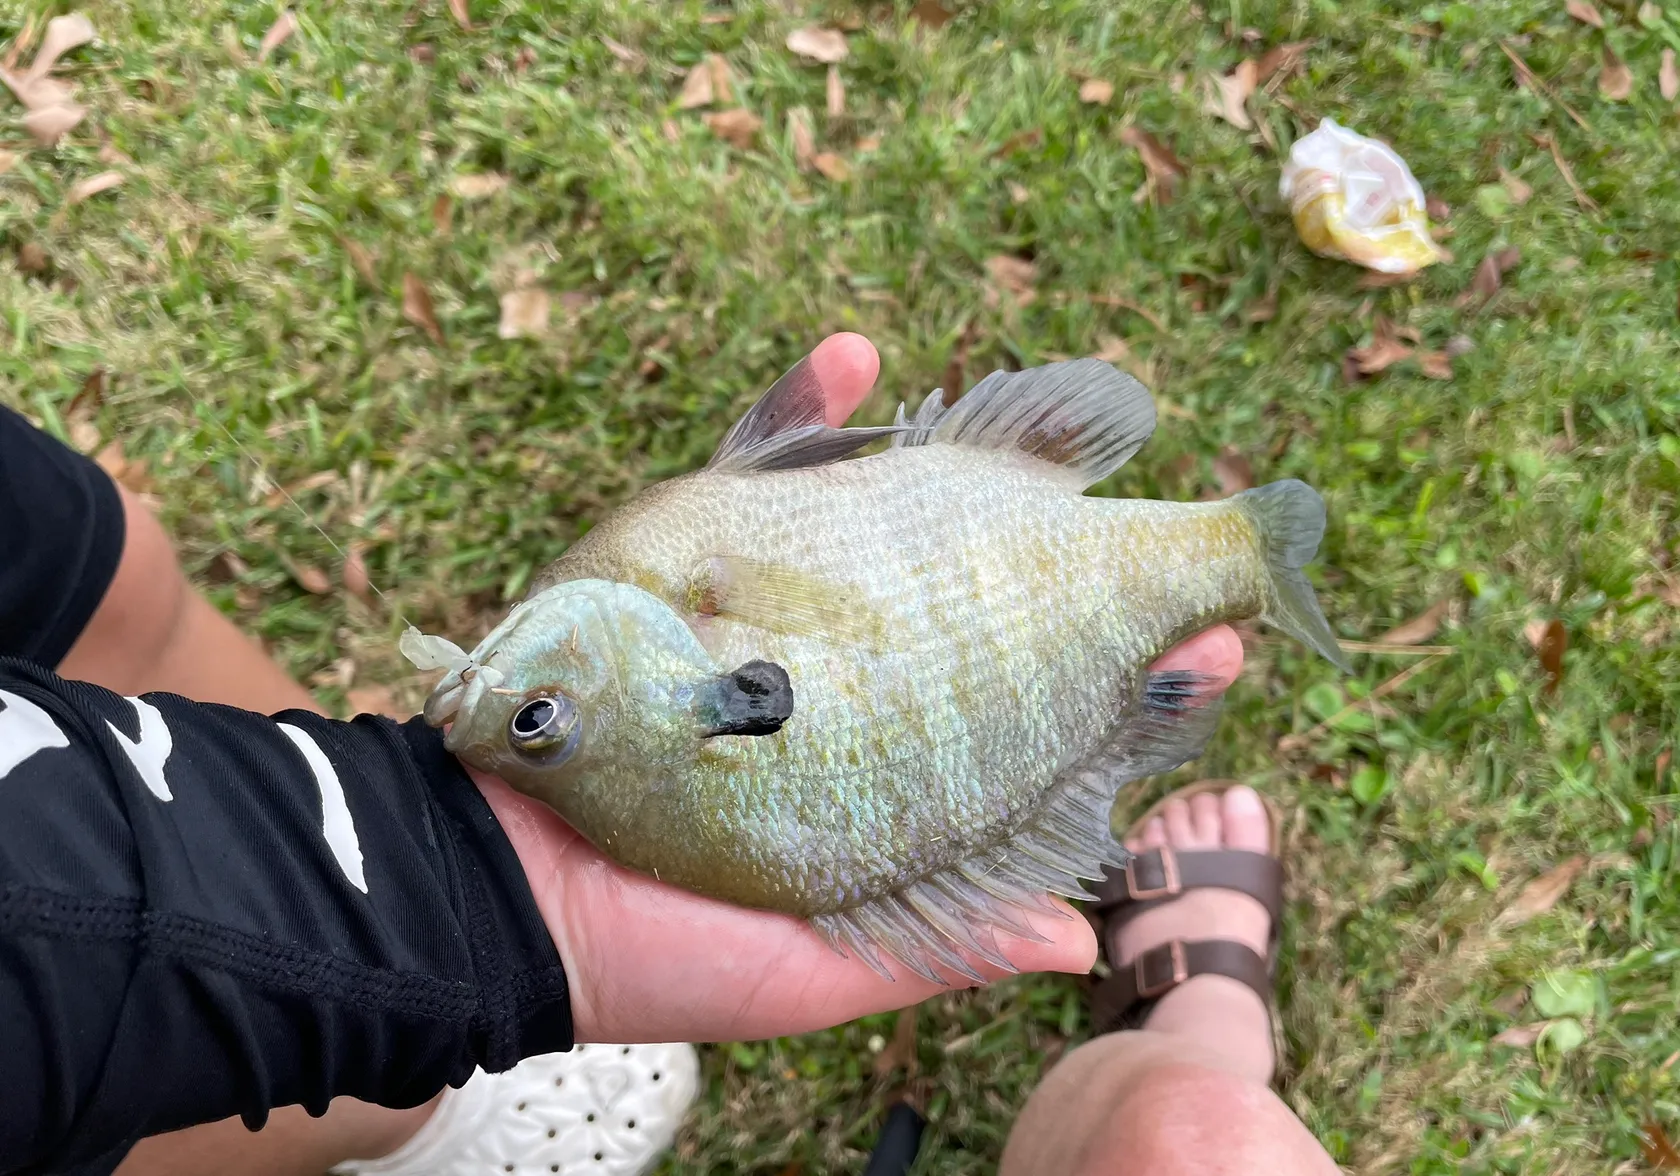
{"points": [[205, 913]]}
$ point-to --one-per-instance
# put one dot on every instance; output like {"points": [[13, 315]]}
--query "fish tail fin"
{"points": [[1290, 518]]}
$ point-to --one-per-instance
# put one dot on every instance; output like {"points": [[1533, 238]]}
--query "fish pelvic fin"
{"points": [[1290, 517], [1084, 415], [948, 922]]}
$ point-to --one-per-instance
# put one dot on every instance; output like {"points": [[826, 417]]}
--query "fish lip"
{"points": [[444, 703]]}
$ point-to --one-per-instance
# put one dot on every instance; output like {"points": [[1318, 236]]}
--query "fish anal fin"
{"points": [[781, 599]]}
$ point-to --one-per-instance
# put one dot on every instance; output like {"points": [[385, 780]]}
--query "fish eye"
{"points": [[545, 728]]}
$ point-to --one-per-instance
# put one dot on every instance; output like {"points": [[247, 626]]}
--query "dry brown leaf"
{"points": [[697, 87], [361, 259], [417, 307], [376, 700], [1281, 59], [1420, 628], [1096, 91], [1263, 309], [1014, 276], [900, 1052], [832, 166], [799, 131], [1659, 1151], [8, 160], [443, 209], [32, 259], [1030, 137], [1228, 95], [64, 33], [1668, 77], [869, 143], [524, 313], [354, 574], [1163, 168], [1615, 79], [310, 578], [129, 471], [622, 52], [1583, 11], [819, 44], [836, 94], [1112, 349], [1233, 471], [739, 126], [1515, 188], [1543, 893], [51, 124], [723, 81], [1490, 275], [1437, 365], [92, 186], [1520, 1036], [478, 185], [1554, 641], [277, 33], [1384, 352], [458, 9], [1018, 192], [932, 14]]}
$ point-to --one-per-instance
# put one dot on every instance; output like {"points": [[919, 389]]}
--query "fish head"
{"points": [[591, 679]]}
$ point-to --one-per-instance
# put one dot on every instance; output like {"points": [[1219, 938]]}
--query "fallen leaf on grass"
{"points": [[443, 209], [417, 307], [1490, 275], [1659, 1151], [1162, 168], [1227, 95], [32, 259], [1587, 203], [50, 124], [739, 126], [1096, 91], [92, 186], [354, 574], [1520, 1036], [932, 14], [130, 472], [1518, 191], [1542, 894], [478, 185], [1385, 350], [1437, 365], [799, 131], [8, 160], [1282, 59], [310, 578], [1583, 11], [836, 94], [458, 9], [1668, 77], [1013, 276], [708, 82], [1234, 472], [623, 53], [1615, 79], [361, 259], [831, 166], [1421, 627], [277, 34], [375, 700], [1031, 137], [524, 313], [819, 44], [1550, 640]]}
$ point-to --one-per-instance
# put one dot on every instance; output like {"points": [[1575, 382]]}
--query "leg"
{"points": [[1188, 1093]]}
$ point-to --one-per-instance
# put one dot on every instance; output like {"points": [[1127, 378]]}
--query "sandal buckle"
{"points": [[1148, 988], [1170, 883]]}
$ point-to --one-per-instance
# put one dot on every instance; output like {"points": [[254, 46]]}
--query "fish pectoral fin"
{"points": [[753, 700], [785, 430], [1082, 415], [782, 600]]}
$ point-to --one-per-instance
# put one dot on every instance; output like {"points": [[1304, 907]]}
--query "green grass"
{"points": [[243, 351]]}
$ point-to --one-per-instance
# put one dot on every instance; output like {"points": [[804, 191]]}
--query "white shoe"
{"points": [[600, 1110]]}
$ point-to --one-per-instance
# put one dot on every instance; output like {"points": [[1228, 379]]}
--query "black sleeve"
{"points": [[205, 912], [61, 538]]}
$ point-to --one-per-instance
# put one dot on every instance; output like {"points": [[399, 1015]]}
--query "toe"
{"points": [[1177, 817], [1154, 833], [1204, 819], [1244, 820]]}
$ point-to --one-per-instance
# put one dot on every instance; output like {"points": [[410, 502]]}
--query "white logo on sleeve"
{"points": [[25, 729], [148, 753], [336, 824]]}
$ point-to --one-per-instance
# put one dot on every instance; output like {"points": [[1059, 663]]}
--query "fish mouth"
{"points": [[457, 691]]}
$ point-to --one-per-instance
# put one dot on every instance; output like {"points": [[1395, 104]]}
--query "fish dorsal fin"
{"points": [[785, 429], [1083, 415]]}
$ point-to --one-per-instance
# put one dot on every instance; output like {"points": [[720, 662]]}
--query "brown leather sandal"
{"points": [[1129, 994]]}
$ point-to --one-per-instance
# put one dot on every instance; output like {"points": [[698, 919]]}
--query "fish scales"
{"points": [[965, 636]]}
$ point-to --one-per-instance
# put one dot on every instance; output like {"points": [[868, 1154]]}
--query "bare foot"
{"points": [[1221, 1014]]}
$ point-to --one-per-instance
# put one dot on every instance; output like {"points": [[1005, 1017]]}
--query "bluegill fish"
{"points": [[895, 695]]}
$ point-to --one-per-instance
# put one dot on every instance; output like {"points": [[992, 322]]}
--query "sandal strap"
{"points": [[1160, 875], [1129, 994]]}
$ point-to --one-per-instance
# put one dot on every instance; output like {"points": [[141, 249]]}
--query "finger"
{"points": [[1216, 652], [846, 366]]}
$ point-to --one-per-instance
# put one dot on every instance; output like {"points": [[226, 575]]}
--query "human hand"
{"points": [[650, 962]]}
